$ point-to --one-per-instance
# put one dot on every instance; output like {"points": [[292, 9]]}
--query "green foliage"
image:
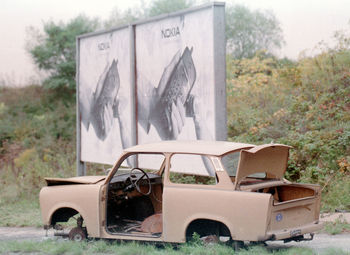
{"points": [[143, 11], [37, 140], [337, 192], [196, 239], [118, 17], [305, 105], [248, 31], [55, 50], [158, 7]]}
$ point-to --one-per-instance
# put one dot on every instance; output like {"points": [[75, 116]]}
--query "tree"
{"points": [[118, 17], [158, 7], [248, 32], [155, 8], [54, 50]]}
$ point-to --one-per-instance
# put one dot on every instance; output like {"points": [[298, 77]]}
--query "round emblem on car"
{"points": [[279, 217]]}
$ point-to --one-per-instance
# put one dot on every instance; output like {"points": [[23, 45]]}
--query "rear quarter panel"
{"points": [[83, 198], [246, 214]]}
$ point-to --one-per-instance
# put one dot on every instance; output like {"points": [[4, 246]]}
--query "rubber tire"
{"points": [[77, 234]]}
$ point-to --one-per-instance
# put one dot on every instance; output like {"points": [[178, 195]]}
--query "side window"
{"points": [[192, 169], [146, 162]]}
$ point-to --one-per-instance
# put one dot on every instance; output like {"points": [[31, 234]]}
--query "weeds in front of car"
{"points": [[126, 248]]}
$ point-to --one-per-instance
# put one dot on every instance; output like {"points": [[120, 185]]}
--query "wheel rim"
{"points": [[77, 237]]}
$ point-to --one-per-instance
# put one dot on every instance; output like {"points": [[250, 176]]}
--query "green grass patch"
{"points": [[136, 248], [20, 213], [337, 195]]}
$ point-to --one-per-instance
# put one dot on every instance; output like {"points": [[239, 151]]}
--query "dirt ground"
{"points": [[327, 217], [321, 242]]}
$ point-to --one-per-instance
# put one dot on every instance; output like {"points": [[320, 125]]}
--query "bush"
{"points": [[305, 105], [36, 137]]}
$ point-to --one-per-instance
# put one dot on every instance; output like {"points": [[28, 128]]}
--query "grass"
{"points": [[335, 251], [20, 213], [103, 247], [337, 227], [337, 196]]}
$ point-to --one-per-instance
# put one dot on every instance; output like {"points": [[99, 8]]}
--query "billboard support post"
{"points": [[133, 96], [81, 167], [220, 71]]}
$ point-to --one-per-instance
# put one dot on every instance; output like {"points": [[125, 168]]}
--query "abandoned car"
{"points": [[169, 190]]}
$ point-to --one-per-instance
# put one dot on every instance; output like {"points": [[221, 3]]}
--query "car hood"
{"points": [[74, 180], [268, 158]]}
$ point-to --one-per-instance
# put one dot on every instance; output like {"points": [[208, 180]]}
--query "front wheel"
{"points": [[77, 234]]}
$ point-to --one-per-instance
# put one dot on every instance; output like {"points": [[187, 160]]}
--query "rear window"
{"points": [[230, 162]]}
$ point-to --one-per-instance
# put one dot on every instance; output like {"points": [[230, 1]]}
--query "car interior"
{"points": [[134, 197], [134, 200]]}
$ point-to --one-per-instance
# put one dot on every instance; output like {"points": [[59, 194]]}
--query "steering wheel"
{"points": [[135, 181]]}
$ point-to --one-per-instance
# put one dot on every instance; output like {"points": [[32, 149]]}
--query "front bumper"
{"points": [[293, 232]]}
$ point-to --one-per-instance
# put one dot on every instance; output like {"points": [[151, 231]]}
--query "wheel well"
{"points": [[206, 227], [62, 215]]}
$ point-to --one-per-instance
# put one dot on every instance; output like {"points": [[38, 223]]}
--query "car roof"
{"points": [[215, 148]]}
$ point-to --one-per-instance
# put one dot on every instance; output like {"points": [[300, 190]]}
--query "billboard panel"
{"points": [[104, 95], [175, 78]]}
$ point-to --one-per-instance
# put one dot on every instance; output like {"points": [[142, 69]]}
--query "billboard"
{"points": [[157, 79]]}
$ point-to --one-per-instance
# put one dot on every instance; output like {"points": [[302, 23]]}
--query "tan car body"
{"points": [[247, 210]]}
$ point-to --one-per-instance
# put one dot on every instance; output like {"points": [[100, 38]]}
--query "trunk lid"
{"points": [[268, 158]]}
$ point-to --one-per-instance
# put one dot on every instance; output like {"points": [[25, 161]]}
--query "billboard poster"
{"points": [[158, 79], [104, 93], [175, 78]]}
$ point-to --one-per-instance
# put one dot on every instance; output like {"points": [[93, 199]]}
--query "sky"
{"points": [[304, 24]]}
